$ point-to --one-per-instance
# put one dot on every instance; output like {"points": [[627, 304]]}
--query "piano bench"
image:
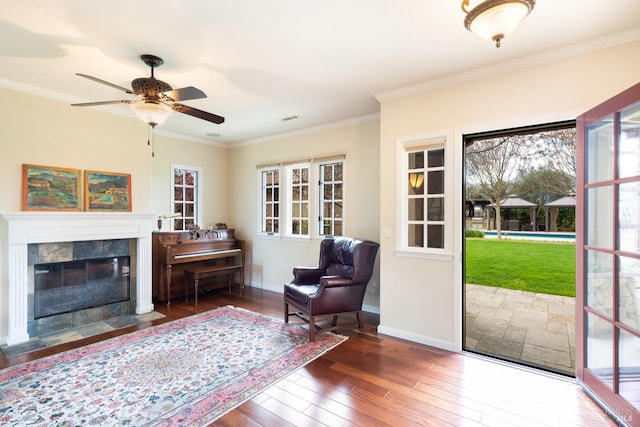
{"points": [[202, 272]]}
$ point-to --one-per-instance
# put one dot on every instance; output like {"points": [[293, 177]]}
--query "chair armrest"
{"points": [[306, 274], [334, 281]]}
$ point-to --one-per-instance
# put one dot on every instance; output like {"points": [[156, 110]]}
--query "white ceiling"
{"points": [[262, 60]]}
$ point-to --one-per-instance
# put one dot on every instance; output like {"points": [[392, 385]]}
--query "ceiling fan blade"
{"points": [[90, 104], [104, 82], [181, 108], [185, 93]]}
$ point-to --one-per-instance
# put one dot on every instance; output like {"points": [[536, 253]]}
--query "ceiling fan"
{"points": [[157, 98]]}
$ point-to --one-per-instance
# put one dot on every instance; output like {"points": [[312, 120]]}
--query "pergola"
{"points": [[563, 202], [513, 202]]}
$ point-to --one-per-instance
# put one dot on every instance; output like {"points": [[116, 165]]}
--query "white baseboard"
{"points": [[274, 288], [420, 339], [371, 309], [280, 289]]}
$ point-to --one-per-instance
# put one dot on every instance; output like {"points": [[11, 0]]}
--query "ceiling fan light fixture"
{"points": [[157, 98], [495, 19], [152, 113]]}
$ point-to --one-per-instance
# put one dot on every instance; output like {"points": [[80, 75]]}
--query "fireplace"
{"points": [[63, 287], [70, 237]]}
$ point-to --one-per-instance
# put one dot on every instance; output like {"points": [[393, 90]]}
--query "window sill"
{"points": [[269, 236], [423, 255], [298, 238]]}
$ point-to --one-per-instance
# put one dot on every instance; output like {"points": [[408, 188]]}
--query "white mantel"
{"points": [[19, 229]]}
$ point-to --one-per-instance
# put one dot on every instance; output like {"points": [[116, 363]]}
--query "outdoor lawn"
{"points": [[542, 267]]}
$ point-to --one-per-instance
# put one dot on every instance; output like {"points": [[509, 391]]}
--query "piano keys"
{"points": [[207, 254], [172, 252]]}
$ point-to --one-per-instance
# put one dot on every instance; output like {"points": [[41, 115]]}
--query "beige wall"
{"points": [[214, 162], [50, 133], [39, 131], [421, 298], [272, 259]]}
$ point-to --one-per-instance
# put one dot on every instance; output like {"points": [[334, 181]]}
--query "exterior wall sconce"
{"points": [[495, 19], [416, 180]]}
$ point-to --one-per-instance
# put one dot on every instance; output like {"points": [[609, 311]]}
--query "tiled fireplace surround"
{"points": [[21, 231], [82, 302]]}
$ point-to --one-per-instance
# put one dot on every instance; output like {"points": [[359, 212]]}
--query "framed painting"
{"points": [[47, 188], [107, 191]]}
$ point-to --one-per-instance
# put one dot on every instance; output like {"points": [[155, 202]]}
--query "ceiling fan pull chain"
{"points": [[151, 140]]}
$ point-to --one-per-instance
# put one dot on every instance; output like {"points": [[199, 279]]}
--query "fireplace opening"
{"points": [[63, 287]]}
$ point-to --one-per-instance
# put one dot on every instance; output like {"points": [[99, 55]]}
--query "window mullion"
{"points": [[424, 196]]}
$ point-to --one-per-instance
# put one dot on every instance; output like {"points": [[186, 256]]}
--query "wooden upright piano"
{"points": [[172, 252]]}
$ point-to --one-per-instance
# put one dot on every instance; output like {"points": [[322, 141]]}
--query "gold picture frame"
{"points": [[49, 188], [107, 191]]}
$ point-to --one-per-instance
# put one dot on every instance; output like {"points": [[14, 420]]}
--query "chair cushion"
{"points": [[300, 292], [342, 270]]}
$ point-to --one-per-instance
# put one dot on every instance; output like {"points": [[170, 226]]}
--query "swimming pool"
{"points": [[531, 235]]}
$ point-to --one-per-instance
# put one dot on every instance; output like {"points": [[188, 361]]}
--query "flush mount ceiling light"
{"points": [[495, 19]]}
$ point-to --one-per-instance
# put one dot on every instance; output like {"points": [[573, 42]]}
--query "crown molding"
{"points": [[517, 64], [50, 94], [37, 91], [311, 129], [159, 131], [58, 96]]}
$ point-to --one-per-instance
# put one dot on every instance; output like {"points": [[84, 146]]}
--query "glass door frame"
{"points": [[618, 407]]}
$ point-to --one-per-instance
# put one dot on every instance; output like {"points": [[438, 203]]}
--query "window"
{"points": [[422, 207], [186, 196], [270, 201], [331, 190], [293, 211], [425, 199], [298, 200]]}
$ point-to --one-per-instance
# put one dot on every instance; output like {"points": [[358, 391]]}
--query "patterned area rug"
{"points": [[186, 372]]}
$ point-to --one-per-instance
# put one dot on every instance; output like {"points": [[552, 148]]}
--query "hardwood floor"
{"points": [[376, 380]]}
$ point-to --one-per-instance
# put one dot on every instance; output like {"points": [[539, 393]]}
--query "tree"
{"points": [[492, 165], [544, 185], [535, 165], [558, 147]]}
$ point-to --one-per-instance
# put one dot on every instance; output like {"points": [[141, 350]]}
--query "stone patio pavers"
{"points": [[532, 327]]}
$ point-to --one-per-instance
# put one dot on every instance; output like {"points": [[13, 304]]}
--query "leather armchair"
{"points": [[336, 286]]}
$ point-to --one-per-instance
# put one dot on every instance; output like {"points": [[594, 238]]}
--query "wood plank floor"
{"points": [[376, 380]]}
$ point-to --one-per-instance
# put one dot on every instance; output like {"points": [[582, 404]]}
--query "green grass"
{"points": [[547, 268]]}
